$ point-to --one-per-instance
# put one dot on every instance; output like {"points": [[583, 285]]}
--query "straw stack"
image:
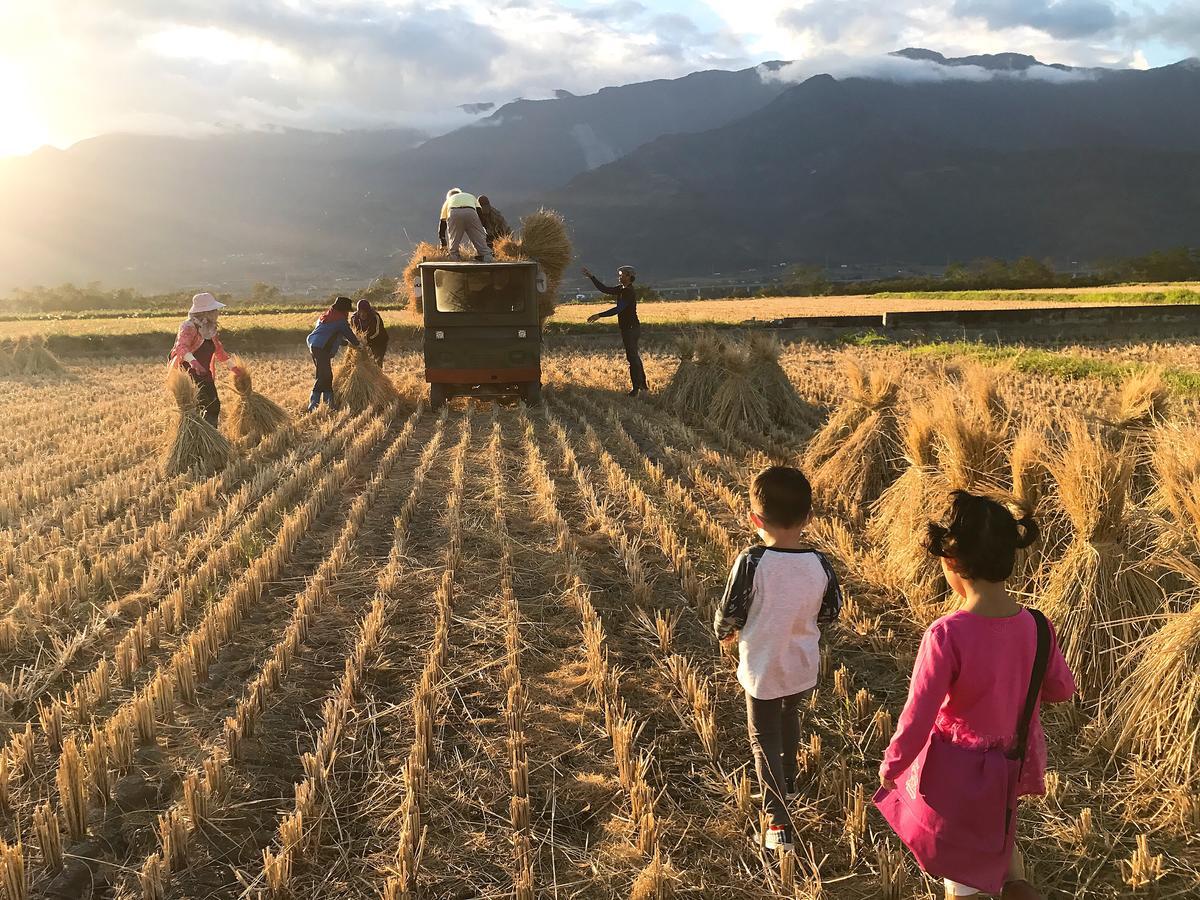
{"points": [[192, 444], [735, 385], [251, 415]]}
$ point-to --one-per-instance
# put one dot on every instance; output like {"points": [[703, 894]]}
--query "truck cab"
{"points": [[483, 334]]}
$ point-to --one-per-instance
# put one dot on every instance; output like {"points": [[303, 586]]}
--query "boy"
{"points": [[778, 593]]}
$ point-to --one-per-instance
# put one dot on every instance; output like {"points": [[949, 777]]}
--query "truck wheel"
{"points": [[531, 394], [438, 395]]}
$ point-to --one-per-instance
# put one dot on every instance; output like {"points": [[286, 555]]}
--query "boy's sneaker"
{"points": [[790, 793], [778, 838]]}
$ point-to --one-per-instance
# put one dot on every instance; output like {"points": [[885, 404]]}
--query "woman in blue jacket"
{"points": [[330, 332]]}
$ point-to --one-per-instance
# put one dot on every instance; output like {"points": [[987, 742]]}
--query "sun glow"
{"points": [[22, 130]]}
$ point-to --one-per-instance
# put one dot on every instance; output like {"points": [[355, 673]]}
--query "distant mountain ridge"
{"points": [[159, 212], [863, 170], [714, 171]]}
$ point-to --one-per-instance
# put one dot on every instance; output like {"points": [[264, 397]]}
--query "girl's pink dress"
{"points": [[969, 684]]}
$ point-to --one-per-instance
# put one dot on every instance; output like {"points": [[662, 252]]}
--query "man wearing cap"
{"points": [[198, 347], [459, 220], [627, 321]]}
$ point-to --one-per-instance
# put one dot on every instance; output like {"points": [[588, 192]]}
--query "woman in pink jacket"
{"points": [[198, 348], [970, 685]]}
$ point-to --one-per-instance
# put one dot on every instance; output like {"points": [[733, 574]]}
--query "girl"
{"points": [[198, 347], [331, 330], [970, 682], [368, 323]]}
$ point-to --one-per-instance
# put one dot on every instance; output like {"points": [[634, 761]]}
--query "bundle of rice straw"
{"points": [[854, 458], [738, 403], [29, 356], [251, 415], [958, 440], [422, 253], [542, 239], [1156, 709], [192, 444], [866, 394], [898, 521], [787, 409], [359, 383], [1175, 502], [1097, 592], [698, 375], [1033, 494], [675, 393], [981, 390], [1143, 403]]}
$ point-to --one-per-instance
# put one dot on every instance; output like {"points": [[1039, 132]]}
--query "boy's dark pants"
{"points": [[774, 727]]}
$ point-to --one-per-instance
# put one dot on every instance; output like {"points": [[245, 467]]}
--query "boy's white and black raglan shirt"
{"points": [[778, 599]]}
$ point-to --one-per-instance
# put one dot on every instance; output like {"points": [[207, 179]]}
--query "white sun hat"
{"points": [[205, 302]]}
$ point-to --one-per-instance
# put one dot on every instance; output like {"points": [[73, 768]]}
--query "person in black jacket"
{"points": [[368, 325], [627, 321]]}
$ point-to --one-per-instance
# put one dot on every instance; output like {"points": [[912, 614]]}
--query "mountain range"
{"points": [[924, 160]]}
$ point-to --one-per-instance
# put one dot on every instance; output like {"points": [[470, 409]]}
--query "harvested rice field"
{"points": [[468, 653]]}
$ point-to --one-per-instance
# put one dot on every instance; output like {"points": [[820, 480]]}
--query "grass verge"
{"points": [[1184, 382], [1181, 296]]}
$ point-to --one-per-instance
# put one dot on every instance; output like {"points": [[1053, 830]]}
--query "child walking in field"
{"points": [[969, 742], [778, 594]]}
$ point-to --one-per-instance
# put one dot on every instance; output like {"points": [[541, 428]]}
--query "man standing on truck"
{"points": [[627, 321], [459, 220]]}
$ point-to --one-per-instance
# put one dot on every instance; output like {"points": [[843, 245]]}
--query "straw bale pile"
{"points": [[28, 356], [192, 444], [735, 385], [251, 415]]}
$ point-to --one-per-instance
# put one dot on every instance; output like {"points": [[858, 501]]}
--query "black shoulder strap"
{"points": [[1040, 662]]}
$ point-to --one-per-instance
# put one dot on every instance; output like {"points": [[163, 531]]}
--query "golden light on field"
{"points": [[22, 129]]}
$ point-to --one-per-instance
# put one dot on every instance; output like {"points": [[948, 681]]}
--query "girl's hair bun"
{"points": [[1028, 531]]}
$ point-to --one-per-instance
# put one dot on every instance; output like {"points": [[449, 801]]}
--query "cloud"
{"points": [[832, 20], [184, 65], [1064, 19], [1176, 24], [904, 70]]}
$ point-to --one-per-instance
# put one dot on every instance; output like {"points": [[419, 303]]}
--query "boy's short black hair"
{"points": [[781, 496]]}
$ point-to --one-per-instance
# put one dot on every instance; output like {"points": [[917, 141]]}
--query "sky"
{"points": [[72, 69]]}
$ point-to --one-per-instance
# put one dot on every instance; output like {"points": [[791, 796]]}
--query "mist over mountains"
{"points": [[909, 159]]}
